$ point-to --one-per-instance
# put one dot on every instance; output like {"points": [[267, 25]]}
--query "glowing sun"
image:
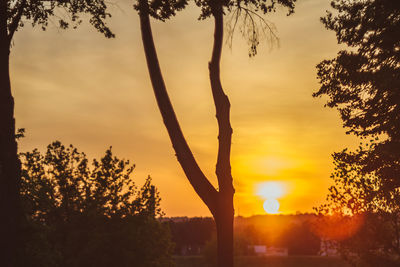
{"points": [[271, 191], [271, 206]]}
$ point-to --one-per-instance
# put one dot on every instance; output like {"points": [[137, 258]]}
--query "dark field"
{"points": [[292, 261]]}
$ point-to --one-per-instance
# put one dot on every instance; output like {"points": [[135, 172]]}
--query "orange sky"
{"points": [[79, 88]]}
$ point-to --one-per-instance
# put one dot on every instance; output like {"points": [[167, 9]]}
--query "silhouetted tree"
{"points": [[219, 202], [14, 14], [81, 214], [191, 234], [363, 83]]}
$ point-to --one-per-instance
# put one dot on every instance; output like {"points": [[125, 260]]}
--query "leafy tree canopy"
{"points": [[363, 81], [247, 13], [66, 13], [61, 183], [75, 210]]}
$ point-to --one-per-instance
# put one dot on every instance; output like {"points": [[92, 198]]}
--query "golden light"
{"points": [[272, 166], [339, 227], [271, 206], [271, 190]]}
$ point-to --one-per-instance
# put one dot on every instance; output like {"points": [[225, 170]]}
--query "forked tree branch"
{"points": [[196, 177]]}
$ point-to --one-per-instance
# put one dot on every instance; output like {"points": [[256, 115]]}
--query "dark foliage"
{"points": [[362, 216], [160, 9], [81, 215], [190, 235], [295, 232], [264, 6], [65, 13], [300, 239], [363, 82]]}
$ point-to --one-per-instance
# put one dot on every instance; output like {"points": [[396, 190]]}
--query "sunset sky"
{"points": [[78, 87]]}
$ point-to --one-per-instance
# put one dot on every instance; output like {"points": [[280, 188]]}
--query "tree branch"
{"points": [[15, 21], [222, 107]]}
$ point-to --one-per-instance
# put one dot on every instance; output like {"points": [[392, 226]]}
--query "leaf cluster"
{"points": [[61, 13], [160, 9], [356, 191], [60, 184], [262, 6], [363, 82]]}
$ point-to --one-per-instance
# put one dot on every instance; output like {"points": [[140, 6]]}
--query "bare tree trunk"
{"points": [[224, 222], [225, 214], [9, 163], [219, 203]]}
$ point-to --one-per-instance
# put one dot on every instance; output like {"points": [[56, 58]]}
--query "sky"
{"points": [[83, 89]]}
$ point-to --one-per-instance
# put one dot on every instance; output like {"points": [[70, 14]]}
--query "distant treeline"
{"points": [[297, 233]]}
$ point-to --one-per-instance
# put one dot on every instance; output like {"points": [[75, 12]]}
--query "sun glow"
{"points": [[271, 191]]}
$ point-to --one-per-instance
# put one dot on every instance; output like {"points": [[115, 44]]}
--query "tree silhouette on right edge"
{"points": [[363, 83], [219, 202]]}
